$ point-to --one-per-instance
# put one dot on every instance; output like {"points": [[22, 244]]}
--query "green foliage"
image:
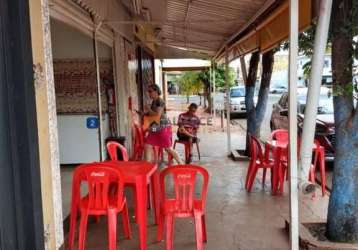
{"points": [[190, 83], [219, 77], [307, 69], [306, 47]]}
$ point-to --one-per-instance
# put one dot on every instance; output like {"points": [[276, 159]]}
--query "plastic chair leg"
{"points": [[249, 169], [125, 220], [112, 229], [252, 178], [198, 149], [71, 237], [264, 177], [323, 172], [203, 224], [83, 231], [198, 231], [160, 228], [187, 152], [169, 232], [149, 201], [281, 177]]}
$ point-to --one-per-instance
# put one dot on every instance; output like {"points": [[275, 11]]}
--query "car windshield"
{"points": [[237, 92], [325, 105]]}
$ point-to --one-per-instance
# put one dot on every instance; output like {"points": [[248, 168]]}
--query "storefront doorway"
{"points": [[76, 100]]}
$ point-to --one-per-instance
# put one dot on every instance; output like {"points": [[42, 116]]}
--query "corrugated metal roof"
{"points": [[205, 25]]}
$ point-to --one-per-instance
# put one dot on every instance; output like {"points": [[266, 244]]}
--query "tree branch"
{"points": [[254, 62]]}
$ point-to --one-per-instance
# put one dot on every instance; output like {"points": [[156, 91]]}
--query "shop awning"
{"points": [[201, 28]]}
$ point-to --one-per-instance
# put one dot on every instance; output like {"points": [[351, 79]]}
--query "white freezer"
{"points": [[77, 143]]}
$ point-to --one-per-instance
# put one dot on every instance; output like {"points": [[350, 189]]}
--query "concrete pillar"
{"points": [[47, 123], [227, 101], [313, 93], [292, 115]]}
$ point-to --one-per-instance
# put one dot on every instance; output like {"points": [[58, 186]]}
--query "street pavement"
{"points": [[238, 122]]}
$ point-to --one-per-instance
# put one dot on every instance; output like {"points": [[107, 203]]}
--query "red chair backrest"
{"points": [[138, 135], [280, 135], [99, 179], [112, 148], [255, 149], [184, 180]]}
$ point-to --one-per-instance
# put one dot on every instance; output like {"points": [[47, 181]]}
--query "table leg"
{"points": [[156, 196], [275, 171], [141, 188]]}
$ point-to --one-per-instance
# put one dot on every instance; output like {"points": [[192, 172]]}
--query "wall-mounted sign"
{"points": [[92, 122]]}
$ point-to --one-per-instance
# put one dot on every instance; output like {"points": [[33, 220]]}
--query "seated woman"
{"points": [[159, 134], [189, 124]]}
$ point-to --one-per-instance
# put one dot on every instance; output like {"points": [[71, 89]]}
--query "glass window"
{"points": [[237, 92]]}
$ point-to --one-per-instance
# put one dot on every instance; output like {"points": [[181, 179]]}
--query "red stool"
{"points": [[187, 148], [105, 197], [259, 160], [184, 204]]}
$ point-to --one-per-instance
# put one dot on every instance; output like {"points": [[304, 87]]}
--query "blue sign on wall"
{"points": [[92, 122]]}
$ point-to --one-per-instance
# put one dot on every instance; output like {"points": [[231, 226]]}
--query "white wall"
{"points": [[69, 43]]}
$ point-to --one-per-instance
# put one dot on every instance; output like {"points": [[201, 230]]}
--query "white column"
{"points": [[309, 122], [99, 97], [214, 93], [293, 38], [227, 102], [210, 84]]}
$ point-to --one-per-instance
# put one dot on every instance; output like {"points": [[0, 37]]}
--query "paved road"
{"points": [[181, 101]]}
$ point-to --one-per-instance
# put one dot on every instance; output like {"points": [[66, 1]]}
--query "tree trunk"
{"points": [[209, 101], [249, 97], [342, 221], [260, 110], [205, 99], [187, 99]]}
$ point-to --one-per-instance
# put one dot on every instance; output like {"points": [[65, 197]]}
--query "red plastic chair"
{"points": [[318, 160], [187, 148], [105, 197], [112, 148], [138, 142], [259, 160], [280, 135], [184, 204]]}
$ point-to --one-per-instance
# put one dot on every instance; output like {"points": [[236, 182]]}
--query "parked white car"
{"points": [[237, 100]]}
